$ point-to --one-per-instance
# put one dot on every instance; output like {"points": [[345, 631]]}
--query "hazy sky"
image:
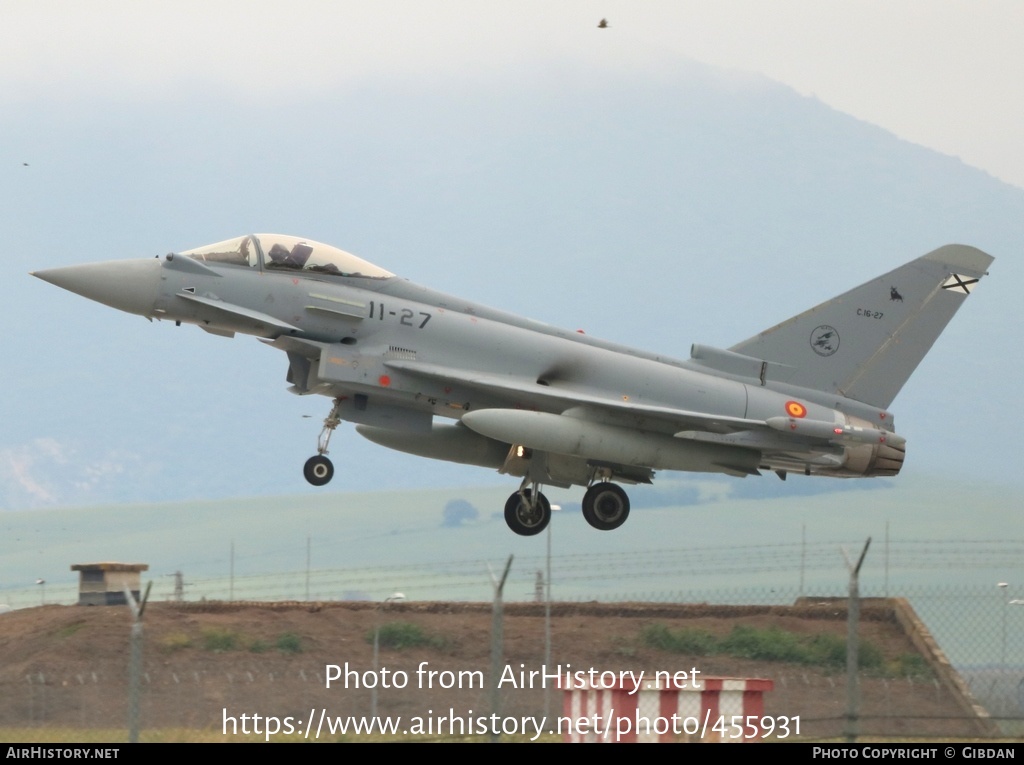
{"points": [[464, 134], [946, 75]]}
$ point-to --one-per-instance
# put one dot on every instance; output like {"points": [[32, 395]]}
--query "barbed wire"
{"points": [[461, 578]]}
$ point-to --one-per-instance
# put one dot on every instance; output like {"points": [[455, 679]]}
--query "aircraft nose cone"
{"points": [[128, 285]]}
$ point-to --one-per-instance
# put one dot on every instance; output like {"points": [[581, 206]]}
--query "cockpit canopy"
{"points": [[273, 252]]}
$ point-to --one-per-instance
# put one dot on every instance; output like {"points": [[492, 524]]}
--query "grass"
{"points": [[175, 641], [401, 635], [826, 651], [289, 642], [220, 640], [70, 629], [689, 641], [912, 665], [118, 736]]}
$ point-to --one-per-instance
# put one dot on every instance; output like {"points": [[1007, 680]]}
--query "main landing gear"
{"points": [[318, 469], [605, 507], [527, 512]]}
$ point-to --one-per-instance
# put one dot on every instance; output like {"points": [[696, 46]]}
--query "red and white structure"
{"points": [[713, 709]]}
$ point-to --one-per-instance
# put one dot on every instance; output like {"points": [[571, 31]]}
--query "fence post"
{"points": [[852, 617], [497, 639], [135, 662]]}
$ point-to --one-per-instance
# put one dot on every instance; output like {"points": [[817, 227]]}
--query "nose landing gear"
{"points": [[318, 469]]}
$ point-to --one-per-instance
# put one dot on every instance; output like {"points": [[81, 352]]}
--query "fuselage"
{"points": [[396, 355], [442, 377]]}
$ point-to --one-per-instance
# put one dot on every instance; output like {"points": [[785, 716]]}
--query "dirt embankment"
{"points": [[68, 665]]}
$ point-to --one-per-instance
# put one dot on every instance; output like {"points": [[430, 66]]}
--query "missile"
{"points": [[601, 442], [835, 431]]}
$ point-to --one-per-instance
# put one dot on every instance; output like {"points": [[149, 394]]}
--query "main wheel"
{"points": [[527, 518], [318, 470], [605, 506]]}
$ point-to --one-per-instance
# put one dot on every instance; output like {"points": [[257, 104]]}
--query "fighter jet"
{"points": [[441, 377]]}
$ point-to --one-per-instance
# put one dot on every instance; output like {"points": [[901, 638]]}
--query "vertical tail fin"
{"points": [[865, 343]]}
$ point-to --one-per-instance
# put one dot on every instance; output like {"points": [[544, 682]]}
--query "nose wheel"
{"points": [[527, 514], [319, 470], [605, 506]]}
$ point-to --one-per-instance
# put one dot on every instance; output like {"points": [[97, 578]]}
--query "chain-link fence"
{"points": [[938, 662], [672, 571]]}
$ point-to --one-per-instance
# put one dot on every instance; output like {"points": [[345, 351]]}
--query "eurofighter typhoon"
{"points": [[437, 376]]}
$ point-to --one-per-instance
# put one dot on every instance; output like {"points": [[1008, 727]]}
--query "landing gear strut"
{"points": [[605, 506], [318, 469], [527, 513]]}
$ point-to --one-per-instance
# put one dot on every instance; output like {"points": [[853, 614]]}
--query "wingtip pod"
{"points": [[962, 258]]}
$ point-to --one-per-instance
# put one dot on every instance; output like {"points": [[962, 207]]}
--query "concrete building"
{"points": [[102, 584]]}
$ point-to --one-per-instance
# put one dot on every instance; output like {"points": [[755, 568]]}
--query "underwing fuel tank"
{"points": [[601, 442], [454, 443]]}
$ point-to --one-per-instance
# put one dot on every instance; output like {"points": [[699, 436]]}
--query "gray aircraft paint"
{"points": [[552, 406], [883, 328]]}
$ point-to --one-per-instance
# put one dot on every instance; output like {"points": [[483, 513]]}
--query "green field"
{"points": [[370, 545]]}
